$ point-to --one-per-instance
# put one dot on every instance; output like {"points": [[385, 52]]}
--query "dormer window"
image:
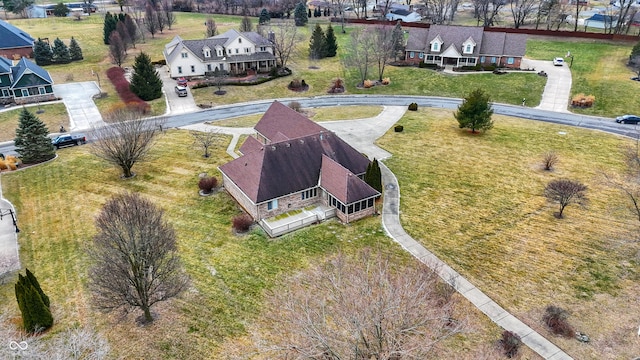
{"points": [[468, 49], [219, 52], [435, 47], [207, 53], [436, 44], [468, 46]]}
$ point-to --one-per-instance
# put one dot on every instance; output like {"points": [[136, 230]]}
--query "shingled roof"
{"points": [[291, 124], [196, 47], [343, 184], [11, 37]]}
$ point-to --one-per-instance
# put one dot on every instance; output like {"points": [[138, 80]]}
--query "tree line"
{"points": [[59, 53]]}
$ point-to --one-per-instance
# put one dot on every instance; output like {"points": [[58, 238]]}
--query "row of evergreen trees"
{"points": [[373, 175], [34, 304], [323, 44], [59, 53]]}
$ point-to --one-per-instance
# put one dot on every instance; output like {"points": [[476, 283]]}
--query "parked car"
{"points": [[181, 91], [182, 81], [628, 119], [69, 140], [558, 61], [636, 78]]}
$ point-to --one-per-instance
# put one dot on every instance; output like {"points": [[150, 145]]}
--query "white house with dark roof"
{"points": [[465, 46], [234, 52], [293, 163]]}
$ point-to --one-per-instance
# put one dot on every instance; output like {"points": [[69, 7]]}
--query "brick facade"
{"points": [[17, 53]]}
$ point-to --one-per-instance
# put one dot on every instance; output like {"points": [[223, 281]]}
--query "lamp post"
{"points": [[98, 76], [570, 56], [5, 212]]}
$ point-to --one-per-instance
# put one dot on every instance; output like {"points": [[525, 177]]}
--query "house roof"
{"points": [[456, 35], [602, 18], [5, 65], [250, 145], [196, 46], [12, 37], [291, 124], [25, 67], [292, 165], [343, 184]]}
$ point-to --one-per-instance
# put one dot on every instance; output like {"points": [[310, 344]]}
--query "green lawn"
{"points": [[316, 114], [53, 115], [476, 201]]}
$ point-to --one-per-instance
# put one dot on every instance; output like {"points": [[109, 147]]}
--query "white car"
{"points": [[558, 61]]}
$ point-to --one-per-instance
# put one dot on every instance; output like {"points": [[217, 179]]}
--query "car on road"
{"points": [[628, 119], [69, 140], [181, 91], [182, 81], [558, 61]]}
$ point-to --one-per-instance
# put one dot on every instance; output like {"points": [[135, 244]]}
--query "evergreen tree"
{"points": [[317, 44], [110, 23], [397, 38], [300, 15], [373, 175], [145, 82], [245, 24], [331, 45], [32, 142], [475, 112], [42, 53], [60, 10], [264, 17], [75, 51], [33, 303], [308, 13], [61, 54]]}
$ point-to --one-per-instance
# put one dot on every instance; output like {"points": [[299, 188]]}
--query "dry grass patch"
{"points": [[318, 114], [53, 116], [476, 201]]}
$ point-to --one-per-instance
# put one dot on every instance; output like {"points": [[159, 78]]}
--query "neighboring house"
{"points": [[43, 11], [293, 163], [465, 46], [600, 21], [233, 51], [14, 43], [403, 15], [24, 82]]}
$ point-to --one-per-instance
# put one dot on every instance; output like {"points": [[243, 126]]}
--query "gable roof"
{"points": [[343, 184], [280, 118], [250, 145], [5, 65], [12, 37], [196, 47], [456, 35], [26, 67]]}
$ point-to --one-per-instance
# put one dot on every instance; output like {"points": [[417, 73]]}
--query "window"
{"points": [[272, 205], [263, 48], [493, 59], [239, 40], [25, 92], [5, 93], [184, 55], [421, 55], [482, 59], [237, 51], [307, 194], [247, 50], [435, 46], [207, 53], [468, 49], [350, 209], [42, 91], [437, 58], [429, 57], [219, 52], [208, 67], [33, 91], [510, 61], [193, 68], [179, 69], [412, 54], [370, 202], [471, 60], [463, 60]]}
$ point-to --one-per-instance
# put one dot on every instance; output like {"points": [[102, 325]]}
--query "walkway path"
{"points": [[9, 256]]}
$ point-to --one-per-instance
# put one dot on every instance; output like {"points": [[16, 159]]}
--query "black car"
{"points": [[69, 140], [628, 119]]}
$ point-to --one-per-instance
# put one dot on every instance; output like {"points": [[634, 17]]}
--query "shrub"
{"points": [[550, 159], [294, 105], [510, 343], [207, 184], [242, 223], [556, 319], [413, 107], [427, 66], [398, 128], [582, 100], [367, 84], [116, 76], [386, 81], [337, 86]]}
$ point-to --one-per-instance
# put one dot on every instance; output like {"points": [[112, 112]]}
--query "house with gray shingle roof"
{"points": [[14, 43], [293, 163], [234, 52], [465, 46], [24, 82]]}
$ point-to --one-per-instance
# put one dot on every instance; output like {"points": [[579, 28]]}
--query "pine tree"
{"points": [[145, 82], [42, 53], [61, 54], [32, 279], [373, 175], [264, 17], [300, 15], [475, 112], [397, 38], [74, 50], [32, 141], [110, 23], [317, 45], [331, 45], [33, 303]]}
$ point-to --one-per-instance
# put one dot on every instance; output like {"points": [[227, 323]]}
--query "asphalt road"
{"points": [[233, 110]]}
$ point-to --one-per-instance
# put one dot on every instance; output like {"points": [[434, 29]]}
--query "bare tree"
{"points": [[169, 15], [579, 4], [151, 19], [565, 192], [117, 48], [488, 10], [384, 50], [135, 263], [212, 29], [629, 181], [122, 30], [360, 53], [521, 10], [441, 11], [132, 30], [161, 20], [284, 37], [127, 141], [624, 18], [365, 309], [204, 140], [246, 25], [549, 160]]}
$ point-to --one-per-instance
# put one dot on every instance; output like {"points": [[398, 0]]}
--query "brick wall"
{"points": [[17, 53], [287, 203], [34, 99], [240, 197]]}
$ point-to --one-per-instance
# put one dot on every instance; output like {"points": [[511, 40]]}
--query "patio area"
{"points": [[297, 219]]}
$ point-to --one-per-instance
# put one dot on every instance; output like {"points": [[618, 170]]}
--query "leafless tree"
{"points": [[212, 29], [384, 47], [246, 25], [161, 20], [204, 140], [285, 37], [132, 30], [628, 182], [521, 10], [169, 15], [359, 8], [127, 141], [579, 5], [117, 49], [565, 192], [488, 10], [624, 18], [360, 53], [367, 308], [122, 30], [151, 19], [549, 160], [135, 263], [441, 11]]}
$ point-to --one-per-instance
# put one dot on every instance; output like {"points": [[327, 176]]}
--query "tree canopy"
{"points": [[300, 15], [145, 81], [475, 112], [32, 141]]}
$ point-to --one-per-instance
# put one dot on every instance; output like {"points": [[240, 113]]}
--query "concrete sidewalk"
{"points": [[9, 257]]}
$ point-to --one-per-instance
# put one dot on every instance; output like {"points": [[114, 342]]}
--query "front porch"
{"points": [[297, 219]]}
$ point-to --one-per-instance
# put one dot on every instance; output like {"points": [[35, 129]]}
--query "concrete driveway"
{"points": [[175, 104], [557, 91], [78, 99]]}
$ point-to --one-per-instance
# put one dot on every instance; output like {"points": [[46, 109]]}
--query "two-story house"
{"points": [[233, 52], [24, 82]]}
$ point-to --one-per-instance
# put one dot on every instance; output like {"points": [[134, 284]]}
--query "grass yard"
{"points": [[53, 116], [315, 114], [476, 201]]}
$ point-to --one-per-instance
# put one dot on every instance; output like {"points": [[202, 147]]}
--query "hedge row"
{"points": [[132, 101]]}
